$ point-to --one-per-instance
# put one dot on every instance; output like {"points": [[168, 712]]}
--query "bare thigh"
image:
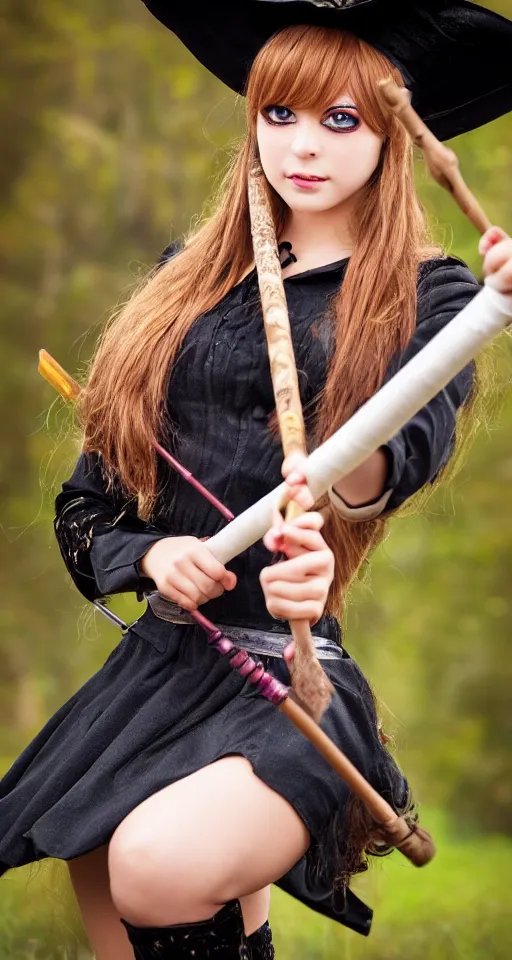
{"points": [[214, 836], [91, 883]]}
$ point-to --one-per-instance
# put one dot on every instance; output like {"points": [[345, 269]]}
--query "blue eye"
{"points": [[278, 115], [340, 120]]}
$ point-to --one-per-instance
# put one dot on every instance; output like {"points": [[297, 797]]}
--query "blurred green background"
{"points": [[113, 137]]}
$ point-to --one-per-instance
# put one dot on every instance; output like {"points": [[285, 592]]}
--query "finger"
{"points": [[312, 589], [295, 462], [491, 236], [497, 256], [229, 581], [289, 652], [200, 587], [273, 541], [201, 582], [311, 610], [312, 520], [311, 542], [290, 551], [302, 495], [293, 470], [501, 280], [301, 534], [179, 588], [309, 539], [207, 563], [273, 538], [179, 598], [315, 563]]}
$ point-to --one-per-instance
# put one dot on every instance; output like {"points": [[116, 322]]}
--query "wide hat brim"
{"points": [[456, 57]]}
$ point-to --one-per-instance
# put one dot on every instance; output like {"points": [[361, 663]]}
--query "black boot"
{"points": [[221, 937], [260, 944]]}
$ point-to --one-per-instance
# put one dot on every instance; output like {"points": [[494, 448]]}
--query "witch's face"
{"points": [[317, 160]]}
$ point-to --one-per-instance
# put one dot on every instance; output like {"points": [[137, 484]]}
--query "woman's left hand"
{"points": [[297, 588], [496, 249]]}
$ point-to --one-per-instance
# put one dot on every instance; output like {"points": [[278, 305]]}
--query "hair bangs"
{"points": [[308, 67]]}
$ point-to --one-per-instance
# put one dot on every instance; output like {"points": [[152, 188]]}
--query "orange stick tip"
{"points": [[59, 379]]}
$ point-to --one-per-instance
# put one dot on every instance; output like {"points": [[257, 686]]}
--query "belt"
{"points": [[263, 643]]}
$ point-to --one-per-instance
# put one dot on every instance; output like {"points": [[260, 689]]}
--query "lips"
{"points": [[306, 176]]}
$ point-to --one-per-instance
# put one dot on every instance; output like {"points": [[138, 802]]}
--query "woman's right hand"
{"points": [[185, 571]]}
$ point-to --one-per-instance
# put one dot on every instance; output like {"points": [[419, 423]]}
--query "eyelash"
{"points": [[286, 123]]}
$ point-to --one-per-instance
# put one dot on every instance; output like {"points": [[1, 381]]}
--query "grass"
{"points": [[457, 908]]}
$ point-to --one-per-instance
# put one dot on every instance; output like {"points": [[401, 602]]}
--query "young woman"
{"points": [[176, 793]]}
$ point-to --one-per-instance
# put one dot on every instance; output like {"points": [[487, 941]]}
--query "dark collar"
{"points": [[338, 267]]}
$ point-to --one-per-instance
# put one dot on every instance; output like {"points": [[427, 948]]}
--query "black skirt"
{"points": [[164, 705]]}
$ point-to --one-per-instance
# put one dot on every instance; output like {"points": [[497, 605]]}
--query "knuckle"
{"points": [[275, 608]]}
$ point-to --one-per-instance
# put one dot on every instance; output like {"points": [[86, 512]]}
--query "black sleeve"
{"points": [[100, 536], [424, 445]]}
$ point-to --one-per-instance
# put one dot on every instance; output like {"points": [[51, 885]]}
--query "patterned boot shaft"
{"points": [[221, 937], [260, 944]]}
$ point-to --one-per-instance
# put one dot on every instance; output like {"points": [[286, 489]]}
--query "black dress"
{"points": [[164, 705]]}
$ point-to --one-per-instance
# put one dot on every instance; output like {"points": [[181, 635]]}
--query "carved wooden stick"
{"points": [[309, 682], [442, 163]]}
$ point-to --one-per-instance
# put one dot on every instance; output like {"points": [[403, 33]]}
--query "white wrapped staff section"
{"points": [[383, 415]]}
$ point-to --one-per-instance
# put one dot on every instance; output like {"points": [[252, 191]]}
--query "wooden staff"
{"points": [[309, 682], [442, 163], [412, 841]]}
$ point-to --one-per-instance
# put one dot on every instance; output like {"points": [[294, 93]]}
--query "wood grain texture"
{"points": [[310, 684], [442, 162]]}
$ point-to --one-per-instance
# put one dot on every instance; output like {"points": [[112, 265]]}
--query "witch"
{"points": [[174, 792]]}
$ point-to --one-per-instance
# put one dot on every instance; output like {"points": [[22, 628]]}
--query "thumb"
{"points": [[289, 652], [229, 580], [490, 238]]}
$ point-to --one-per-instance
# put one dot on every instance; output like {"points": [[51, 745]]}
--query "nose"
{"points": [[305, 139]]}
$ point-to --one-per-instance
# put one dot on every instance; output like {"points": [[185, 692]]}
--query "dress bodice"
{"points": [[220, 404]]}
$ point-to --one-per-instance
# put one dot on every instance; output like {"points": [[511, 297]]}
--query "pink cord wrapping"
{"points": [[268, 686], [190, 478]]}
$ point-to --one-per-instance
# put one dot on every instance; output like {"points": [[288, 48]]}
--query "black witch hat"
{"points": [[455, 56]]}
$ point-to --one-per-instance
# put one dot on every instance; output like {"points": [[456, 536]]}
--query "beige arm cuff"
{"points": [[368, 512]]}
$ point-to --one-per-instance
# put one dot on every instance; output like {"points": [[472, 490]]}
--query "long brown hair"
{"points": [[374, 313]]}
